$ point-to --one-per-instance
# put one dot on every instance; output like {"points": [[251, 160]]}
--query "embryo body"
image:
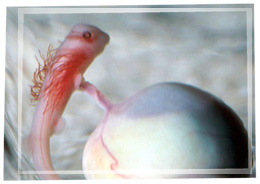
{"points": [[60, 76]]}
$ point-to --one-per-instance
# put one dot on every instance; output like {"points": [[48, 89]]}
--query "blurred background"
{"points": [[204, 49]]}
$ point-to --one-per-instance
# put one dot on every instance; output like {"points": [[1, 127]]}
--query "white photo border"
{"points": [[141, 9]]}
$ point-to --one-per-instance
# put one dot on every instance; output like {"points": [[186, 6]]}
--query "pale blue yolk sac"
{"points": [[165, 127]]}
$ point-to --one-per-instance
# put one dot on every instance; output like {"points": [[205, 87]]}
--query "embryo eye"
{"points": [[87, 35]]}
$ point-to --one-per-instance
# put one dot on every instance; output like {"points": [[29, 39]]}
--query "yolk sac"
{"points": [[162, 128]]}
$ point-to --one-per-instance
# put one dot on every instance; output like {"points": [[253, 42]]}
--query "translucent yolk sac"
{"points": [[165, 127]]}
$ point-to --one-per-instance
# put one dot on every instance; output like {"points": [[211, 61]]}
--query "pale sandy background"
{"points": [[207, 50]]}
